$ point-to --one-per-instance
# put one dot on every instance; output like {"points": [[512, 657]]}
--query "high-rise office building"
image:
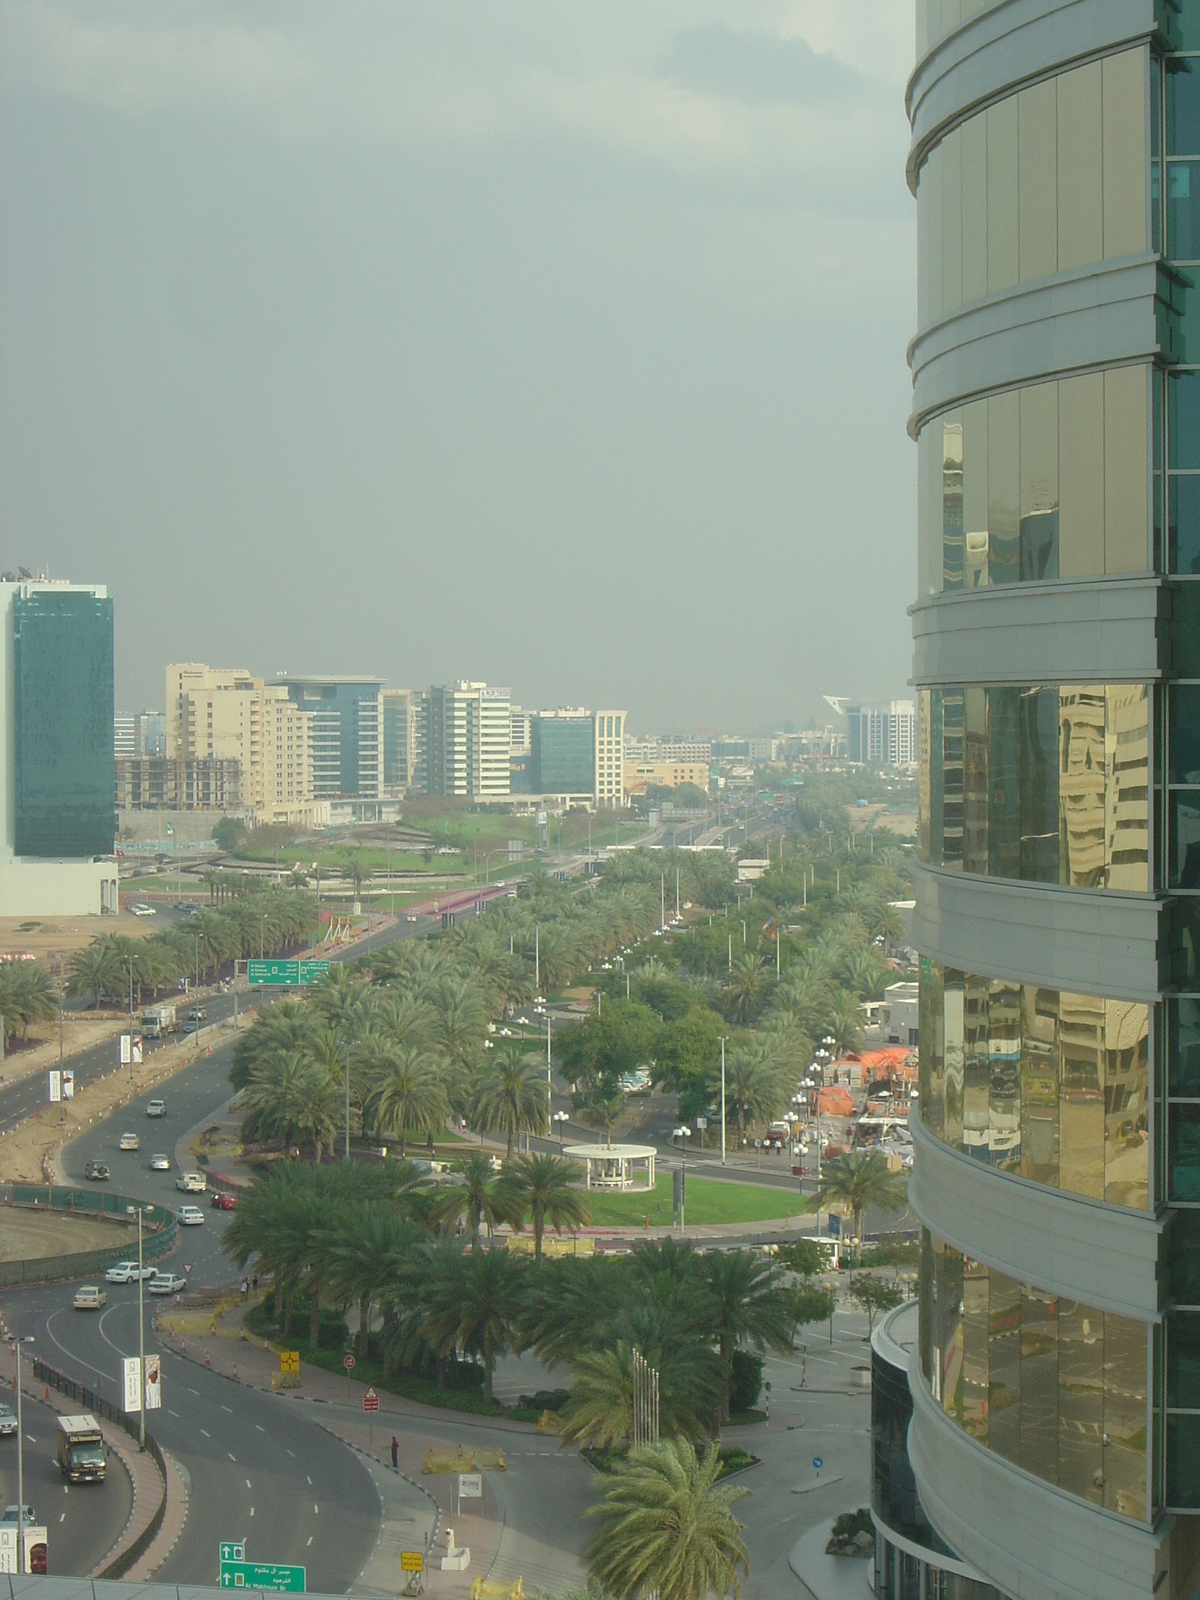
{"points": [[217, 716], [397, 741], [883, 735], [468, 737], [142, 734], [57, 777], [1055, 1377], [562, 754], [347, 734], [610, 759]]}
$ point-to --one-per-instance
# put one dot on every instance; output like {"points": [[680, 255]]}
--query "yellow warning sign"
{"points": [[289, 1361]]}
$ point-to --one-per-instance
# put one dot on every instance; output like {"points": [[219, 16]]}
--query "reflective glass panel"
{"points": [[1183, 523], [1183, 1047], [1185, 1258], [1004, 1366], [1183, 866], [1183, 210], [1004, 784], [1004, 1075], [1039, 785], [1039, 1085], [1183, 1152], [1183, 106], [1127, 797], [1183, 432], [975, 1067], [1039, 1383], [1081, 1401], [975, 1350], [954, 1007], [1184, 717], [1183, 1462], [1183, 1360], [975, 780], [1081, 785], [1127, 1104], [1125, 1352], [1081, 1107]]}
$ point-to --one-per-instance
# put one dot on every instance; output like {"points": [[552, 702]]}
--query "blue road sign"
{"points": [[818, 1462]]}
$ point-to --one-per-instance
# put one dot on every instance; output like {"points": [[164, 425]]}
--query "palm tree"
{"points": [[600, 1408], [478, 1198], [859, 1180], [511, 1098], [86, 972], [472, 1304], [754, 1086], [747, 986], [667, 1528], [748, 1306], [410, 1094], [545, 1188], [27, 994]]}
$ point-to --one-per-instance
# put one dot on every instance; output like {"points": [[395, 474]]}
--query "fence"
{"points": [[91, 1401], [158, 1237]]}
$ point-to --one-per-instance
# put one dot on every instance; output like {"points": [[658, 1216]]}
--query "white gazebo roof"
{"points": [[616, 1166]]}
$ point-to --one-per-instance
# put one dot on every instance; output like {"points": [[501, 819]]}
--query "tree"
{"points": [[409, 1094], [667, 1528], [472, 1304], [747, 986], [27, 994], [544, 1187], [873, 1294], [802, 1256], [747, 1305], [600, 1408], [511, 1098], [810, 1303], [859, 1180], [479, 1199]]}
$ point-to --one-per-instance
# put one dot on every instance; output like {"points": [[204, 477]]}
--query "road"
{"points": [[82, 1521]]}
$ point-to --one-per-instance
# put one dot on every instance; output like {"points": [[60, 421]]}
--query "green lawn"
{"points": [[708, 1201]]}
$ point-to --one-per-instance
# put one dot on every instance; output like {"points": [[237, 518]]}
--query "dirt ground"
{"points": [[33, 1235], [27, 1151], [79, 1033], [57, 937], [902, 823]]}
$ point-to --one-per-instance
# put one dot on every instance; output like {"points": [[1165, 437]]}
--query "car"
{"points": [[197, 1014], [10, 1514], [160, 1163], [190, 1216], [127, 1272], [8, 1421], [156, 1108], [167, 1283], [411, 916], [89, 1298], [129, 1141], [97, 1171], [191, 1182], [141, 909], [223, 1201]]}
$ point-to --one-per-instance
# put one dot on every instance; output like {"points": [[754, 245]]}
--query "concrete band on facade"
{"points": [[1056, 631], [1097, 941], [1032, 1540], [1006, 46], [1107, 314], [1107, 1256]]}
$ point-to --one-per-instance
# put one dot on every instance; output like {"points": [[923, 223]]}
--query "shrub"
{"points": [[745, 1381]]}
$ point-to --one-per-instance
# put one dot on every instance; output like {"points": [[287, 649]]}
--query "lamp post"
{"points": [[262, 932], [141, 1340], [562, 1118], [350, 1043], [724, 1037], [17, 1343]]}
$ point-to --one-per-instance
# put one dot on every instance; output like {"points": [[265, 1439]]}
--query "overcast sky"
{"points": [[555, 345]]}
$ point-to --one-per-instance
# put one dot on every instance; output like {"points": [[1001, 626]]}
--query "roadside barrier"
{"points": [[158, 1238]]}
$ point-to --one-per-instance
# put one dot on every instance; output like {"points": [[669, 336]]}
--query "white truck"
{"points": [[82, 1457], [159, 1020]]}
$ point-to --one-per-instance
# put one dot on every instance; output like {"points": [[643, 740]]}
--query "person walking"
{"points": [[395, 1453]]}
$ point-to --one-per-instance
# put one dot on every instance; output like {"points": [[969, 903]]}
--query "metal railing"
{"points": [[98, 1406], [159, 1239]]}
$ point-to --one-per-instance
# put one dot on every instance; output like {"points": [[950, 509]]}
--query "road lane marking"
{"points": [[63, 1518], [206, 1433], [310, 1539], [171, 1413], [228, 1408], [70, 1354], [251, 1510], [292, 1453], [316, 1509], [247, 1483], [231, 1455], [31, 1439], [260, 1427], [309, 1480]]}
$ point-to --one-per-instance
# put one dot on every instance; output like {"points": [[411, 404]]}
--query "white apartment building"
{"points": [[227, 714], [468, 740], [610, 758], [522, 726]]}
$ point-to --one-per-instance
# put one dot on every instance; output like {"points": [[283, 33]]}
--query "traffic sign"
{"points": [[313, 971], [187, 1267], [818, 1462], [231, 1552], [289, 1361], [470, 1485], [275, 974], [412, 1561], [370, 1401], [262, 1575], [347, 1362]]}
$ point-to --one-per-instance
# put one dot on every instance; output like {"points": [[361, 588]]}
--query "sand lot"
{"points": [[27, 1235]]}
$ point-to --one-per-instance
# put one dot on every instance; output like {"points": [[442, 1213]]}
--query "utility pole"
{"points": [[676, 891], [724, 1037], [731, 952], [537, 958], [18, 1342], [662, 894], [62, 1104], [141, 1345], [347, 1146]]}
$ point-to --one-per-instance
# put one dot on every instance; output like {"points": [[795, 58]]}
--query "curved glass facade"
{"points": [[1053, 1386], [1049, 481], [1048, 783], [1051, 1086], [1016, 192]]}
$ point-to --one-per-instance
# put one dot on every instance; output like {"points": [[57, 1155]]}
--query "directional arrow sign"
{"points": [[232, 1552], [262, 1575], [313, 971], [275, 974]]}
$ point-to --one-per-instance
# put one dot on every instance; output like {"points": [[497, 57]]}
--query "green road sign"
{"points": [[313, 971], [279, 974], [262, 1575]]}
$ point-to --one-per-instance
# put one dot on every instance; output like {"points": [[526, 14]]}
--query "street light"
{"points": [[17, 1343], [350, 1043], [141, 1338], [562, 1118], [724, 1037]]}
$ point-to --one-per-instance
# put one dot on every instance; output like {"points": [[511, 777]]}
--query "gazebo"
{"points": [[628, 1167]]}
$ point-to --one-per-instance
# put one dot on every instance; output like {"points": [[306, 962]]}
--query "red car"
{"points": [[224, 1202]]}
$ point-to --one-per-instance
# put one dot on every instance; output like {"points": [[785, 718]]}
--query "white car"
{"points": [[89, 1298], [156, 1108], [127, 1272], [129, 1141], [160, 1163], [141, 909], [190, 1216], [167, 1283], [191, 1182]]}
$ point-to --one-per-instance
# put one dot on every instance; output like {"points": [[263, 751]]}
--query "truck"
{"points": [[82, 1457], [159, 1020]]}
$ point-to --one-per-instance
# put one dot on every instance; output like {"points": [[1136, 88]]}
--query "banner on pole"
{"points": [[132, 1369], [68, 1085], [153, 1383], [55, 1087]]}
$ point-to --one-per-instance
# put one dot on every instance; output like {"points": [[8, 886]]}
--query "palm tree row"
{"points": [[27, 994], [268, 921]]}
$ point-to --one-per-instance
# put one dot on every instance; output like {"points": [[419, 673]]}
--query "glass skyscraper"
{"points": [[1055, 1377]]}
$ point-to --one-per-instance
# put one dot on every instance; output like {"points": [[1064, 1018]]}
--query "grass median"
{"points": [[709, 1202]]}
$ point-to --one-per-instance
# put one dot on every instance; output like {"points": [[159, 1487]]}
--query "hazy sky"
{"points": [[555, 345]]}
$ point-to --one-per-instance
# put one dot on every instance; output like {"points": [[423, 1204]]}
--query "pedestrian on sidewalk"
{"points": [[395, 1453]]}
